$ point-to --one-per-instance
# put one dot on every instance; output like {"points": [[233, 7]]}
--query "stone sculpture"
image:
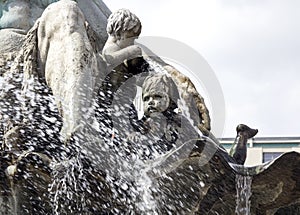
{"points": [[74, 74], [123, 28], [56, 76]]}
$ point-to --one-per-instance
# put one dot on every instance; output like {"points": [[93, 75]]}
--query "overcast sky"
{"points": [[253, 46]]}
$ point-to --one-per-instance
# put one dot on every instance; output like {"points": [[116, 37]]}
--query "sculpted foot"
{"points": [[246, 131]]}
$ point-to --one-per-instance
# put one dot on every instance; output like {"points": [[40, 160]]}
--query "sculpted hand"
{"points": [[134, 51]]}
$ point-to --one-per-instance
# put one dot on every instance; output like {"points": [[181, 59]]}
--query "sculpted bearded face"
{"points": [[155, 100]]}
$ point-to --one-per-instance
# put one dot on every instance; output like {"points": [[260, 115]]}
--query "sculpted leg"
{"points": [[239, 149], [69, 63]]}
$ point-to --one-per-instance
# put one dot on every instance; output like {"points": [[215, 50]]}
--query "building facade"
{"points": [[264, 149]]}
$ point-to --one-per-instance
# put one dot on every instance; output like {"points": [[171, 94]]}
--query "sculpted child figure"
{"points": [[123, 28], [162, 127], [124, 62], [123, 58]]}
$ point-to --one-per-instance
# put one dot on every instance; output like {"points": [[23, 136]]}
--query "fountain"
{"points": [[72, 141]]}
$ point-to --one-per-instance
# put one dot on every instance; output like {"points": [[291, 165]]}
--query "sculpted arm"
{"points": [[115, 56]]}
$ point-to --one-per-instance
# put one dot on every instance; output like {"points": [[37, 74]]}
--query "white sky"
{"points": [[253, 47]]}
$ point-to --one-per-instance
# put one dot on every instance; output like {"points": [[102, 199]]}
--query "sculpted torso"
{"points": [[71, 56]]}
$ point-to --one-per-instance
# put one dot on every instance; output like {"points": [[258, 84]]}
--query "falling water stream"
{"points": [[243, 194]]}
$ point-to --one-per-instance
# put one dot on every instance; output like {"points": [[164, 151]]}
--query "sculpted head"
{"points": [[159, 94], [123, 24]]}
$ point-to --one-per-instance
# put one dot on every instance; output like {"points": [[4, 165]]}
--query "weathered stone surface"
{"points": [[278, 185], [274, 186]]}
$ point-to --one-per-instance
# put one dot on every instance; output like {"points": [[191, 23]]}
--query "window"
{"points": [[268, 156]]}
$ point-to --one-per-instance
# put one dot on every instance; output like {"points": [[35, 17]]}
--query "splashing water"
{"points": [[71, 188], [66, 191], [243, 192], [145, 184]]}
